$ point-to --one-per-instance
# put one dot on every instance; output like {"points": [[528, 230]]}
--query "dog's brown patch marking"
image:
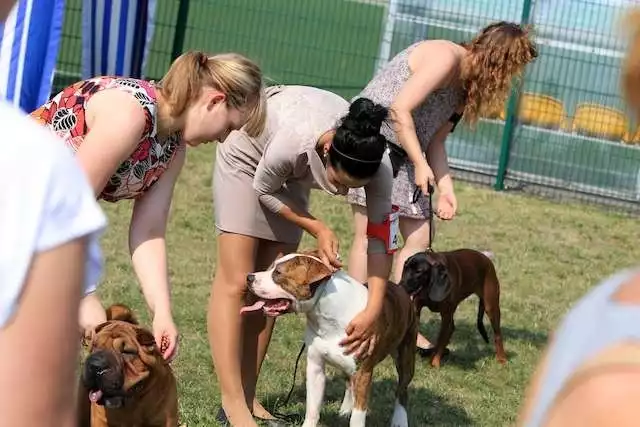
{"points": [[299, 275]]}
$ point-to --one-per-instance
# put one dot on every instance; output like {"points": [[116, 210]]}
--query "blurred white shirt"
{"points": [[45, 201]]}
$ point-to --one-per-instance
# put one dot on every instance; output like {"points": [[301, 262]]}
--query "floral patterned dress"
{"points": [[64, 114]]}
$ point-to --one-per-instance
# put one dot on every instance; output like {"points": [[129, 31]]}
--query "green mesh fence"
{"points": [[567, 129]]}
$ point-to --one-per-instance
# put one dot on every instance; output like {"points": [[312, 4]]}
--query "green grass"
{"points": [[547, 256]]}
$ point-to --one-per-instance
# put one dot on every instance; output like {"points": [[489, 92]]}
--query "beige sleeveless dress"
{"points": [[254, 177]]}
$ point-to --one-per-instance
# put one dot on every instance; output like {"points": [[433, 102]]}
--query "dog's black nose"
{"points": [[250, 278], [98, 362]]}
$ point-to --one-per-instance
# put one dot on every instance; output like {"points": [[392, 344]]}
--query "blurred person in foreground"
{"points": [[49, 228], [590, 373]]}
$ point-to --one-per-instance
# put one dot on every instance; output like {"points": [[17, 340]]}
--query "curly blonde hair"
{"points": [[630, 74], [496, 56]]}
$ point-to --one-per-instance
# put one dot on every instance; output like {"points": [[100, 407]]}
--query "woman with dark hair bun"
{"points": [[428, 88], [313, 139]]}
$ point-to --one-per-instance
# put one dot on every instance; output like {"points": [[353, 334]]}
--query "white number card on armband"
{"points": [[388, 231]]}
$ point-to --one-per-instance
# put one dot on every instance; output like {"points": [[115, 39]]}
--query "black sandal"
{"points": [[277, 421], [428, 352]]}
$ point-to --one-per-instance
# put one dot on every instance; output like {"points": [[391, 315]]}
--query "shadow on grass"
{"points": [[467, 346], [426, 408]]}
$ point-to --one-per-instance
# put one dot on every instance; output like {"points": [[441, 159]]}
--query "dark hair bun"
{"points": [[365, 117]]}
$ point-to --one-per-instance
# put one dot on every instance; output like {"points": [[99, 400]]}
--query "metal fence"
{"points": [[565, 132]]}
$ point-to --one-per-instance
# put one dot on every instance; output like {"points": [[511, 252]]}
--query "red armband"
{"points": [[387, 231]]}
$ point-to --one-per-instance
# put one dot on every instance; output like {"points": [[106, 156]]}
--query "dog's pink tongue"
{"points": [[249, 308], [94, 396]]}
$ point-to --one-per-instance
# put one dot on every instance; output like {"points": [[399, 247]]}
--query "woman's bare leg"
{"points": [[236, 255], [258, 330]]}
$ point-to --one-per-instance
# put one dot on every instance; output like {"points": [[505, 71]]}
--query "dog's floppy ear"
{"points": [[149, 351], [145, 338], [440, 286], [317, 271], [121, 312]]}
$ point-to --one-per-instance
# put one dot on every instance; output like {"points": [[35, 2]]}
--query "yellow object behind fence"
{"points": [[542, 111], [601, 122]]}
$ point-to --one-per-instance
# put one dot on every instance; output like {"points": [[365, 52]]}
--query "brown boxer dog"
{"points": [[125, 380], [330, 300], [442, 280]]}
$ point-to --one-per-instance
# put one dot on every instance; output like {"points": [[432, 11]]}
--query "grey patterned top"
{"points": [[429, 116]]}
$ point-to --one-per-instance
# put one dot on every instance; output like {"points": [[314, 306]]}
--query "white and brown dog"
{"points": [[330, 300]]}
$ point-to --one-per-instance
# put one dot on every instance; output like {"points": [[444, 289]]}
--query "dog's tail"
{"points": [[480, 323]]}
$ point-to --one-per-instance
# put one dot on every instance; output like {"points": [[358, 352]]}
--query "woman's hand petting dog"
{"points": [[166, 335], [328, 246], [361, 339]]}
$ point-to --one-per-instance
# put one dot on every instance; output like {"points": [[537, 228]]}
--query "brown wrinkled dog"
{"points": [[442, 280], [125, 380]]}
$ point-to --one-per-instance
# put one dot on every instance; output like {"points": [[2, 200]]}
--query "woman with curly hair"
{"points": [[429, 87], [130, 135]]}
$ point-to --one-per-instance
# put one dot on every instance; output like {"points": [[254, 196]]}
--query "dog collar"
{"points": [[321, 291]]}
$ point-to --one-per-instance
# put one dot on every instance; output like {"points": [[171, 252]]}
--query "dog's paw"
{"points": [[347, 403], [399, 418]]}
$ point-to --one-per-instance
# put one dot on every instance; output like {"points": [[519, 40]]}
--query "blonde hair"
{"points": [[498, 54], [630, 75], [239, 78]]}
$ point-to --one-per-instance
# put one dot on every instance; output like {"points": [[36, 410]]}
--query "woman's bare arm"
{"points": [[427, 76], [116, 122], [148, 248]]}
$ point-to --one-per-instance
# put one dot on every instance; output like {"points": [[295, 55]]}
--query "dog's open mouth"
{"points": [[270, 307]]}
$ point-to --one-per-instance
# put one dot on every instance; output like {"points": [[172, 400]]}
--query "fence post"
{"points": [[512, 107], [181, 29]]}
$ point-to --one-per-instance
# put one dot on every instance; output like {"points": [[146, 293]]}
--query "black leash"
{"points": [[292, 418], [416, 196]]}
